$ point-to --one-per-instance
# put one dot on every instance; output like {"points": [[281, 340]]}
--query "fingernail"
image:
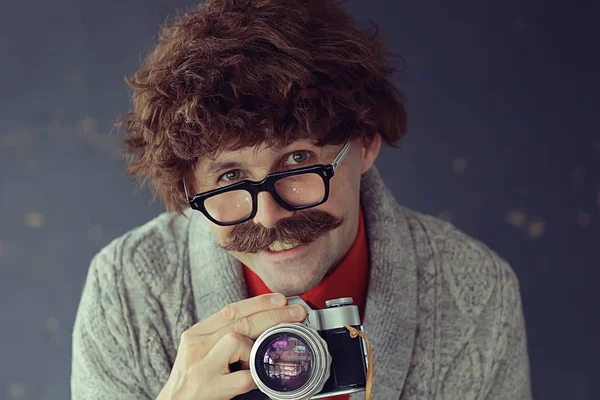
{"points": [[296, 311], [278, 299]]}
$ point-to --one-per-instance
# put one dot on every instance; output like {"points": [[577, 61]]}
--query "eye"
{"points": [[231, 176], [298, 157]]}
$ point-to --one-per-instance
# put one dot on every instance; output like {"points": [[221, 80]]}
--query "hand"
{"points": [[201, 368]]}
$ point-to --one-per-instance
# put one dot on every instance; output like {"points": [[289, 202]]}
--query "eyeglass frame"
{"points": [[267, 184]]}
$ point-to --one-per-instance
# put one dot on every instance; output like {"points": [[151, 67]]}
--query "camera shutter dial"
{"points": [[343, 301]]}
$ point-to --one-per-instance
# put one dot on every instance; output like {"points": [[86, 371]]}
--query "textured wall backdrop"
{"points": [[503, 141]]}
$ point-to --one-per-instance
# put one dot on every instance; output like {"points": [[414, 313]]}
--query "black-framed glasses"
{"points": [[294, 190]]}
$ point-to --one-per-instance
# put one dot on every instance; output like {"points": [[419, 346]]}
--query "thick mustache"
{"points": [[302, 228]]}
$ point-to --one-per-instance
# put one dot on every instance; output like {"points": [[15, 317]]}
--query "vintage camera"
{"points": [[313, 359]]}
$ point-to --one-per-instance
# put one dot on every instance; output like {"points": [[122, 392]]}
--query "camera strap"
{"points": [[354, 333]]}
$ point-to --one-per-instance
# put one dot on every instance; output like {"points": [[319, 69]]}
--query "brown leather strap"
{"points": [[354, 333]]}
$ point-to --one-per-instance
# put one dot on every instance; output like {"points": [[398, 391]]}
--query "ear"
{"points": [[369, 151]]}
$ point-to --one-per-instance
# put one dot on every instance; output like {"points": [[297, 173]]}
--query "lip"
{"points": [[286, 254]]}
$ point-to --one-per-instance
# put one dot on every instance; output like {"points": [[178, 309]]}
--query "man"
{"points": [[258, 122]]}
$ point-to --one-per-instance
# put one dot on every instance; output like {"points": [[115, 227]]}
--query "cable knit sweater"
{"points": [[443, 311]]}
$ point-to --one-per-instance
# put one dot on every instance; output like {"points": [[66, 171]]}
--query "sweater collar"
{"points": [[390, 321]]}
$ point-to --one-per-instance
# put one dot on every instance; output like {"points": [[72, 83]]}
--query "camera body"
{"points": [[312, 359]]}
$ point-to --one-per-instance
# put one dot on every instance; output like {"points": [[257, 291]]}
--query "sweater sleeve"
{"points": [[511, 378], [103, 361]]}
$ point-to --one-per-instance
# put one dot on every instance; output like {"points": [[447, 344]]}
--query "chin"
{"points": [[291, 289], [292, 283]]}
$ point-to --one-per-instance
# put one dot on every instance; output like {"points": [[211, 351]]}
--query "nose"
{"points": [[269, 212]]}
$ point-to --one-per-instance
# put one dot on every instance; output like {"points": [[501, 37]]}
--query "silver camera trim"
{"points": [[339, 312], [335, 316], [321, 362]]}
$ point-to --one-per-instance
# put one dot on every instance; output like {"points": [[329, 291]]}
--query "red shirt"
{"points": [[349, 279]]}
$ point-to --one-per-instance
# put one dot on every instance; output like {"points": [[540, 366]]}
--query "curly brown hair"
{"points": [[230, 74]]}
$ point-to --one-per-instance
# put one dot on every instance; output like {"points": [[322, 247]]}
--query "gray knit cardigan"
{"points": [[443, 312]]}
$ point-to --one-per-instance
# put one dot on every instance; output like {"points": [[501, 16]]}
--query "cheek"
{"points": [[221, 232], [338, 203], [343, 195]]}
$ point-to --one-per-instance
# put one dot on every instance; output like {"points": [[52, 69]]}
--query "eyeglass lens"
{"points": [[297, 190]]}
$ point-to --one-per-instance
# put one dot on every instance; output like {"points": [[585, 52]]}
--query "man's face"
{"points": [[333, 224]]}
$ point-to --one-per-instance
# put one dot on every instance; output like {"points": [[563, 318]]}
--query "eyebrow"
{"points": [[216, 167], [219, 166]]}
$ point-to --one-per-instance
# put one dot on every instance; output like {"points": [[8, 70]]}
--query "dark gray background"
{"points": [[503, 141]]}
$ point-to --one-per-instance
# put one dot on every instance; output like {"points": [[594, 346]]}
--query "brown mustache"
{"points": [[302, 228]]}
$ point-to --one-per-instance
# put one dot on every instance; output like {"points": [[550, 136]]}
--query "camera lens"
{"points": [[284, 362], [290, 361]]}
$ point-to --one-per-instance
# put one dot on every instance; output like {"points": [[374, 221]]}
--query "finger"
{"points": [[235, 384], [254, 325], [231, 348], [234, 311], [251, 327], [245, 365]]}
